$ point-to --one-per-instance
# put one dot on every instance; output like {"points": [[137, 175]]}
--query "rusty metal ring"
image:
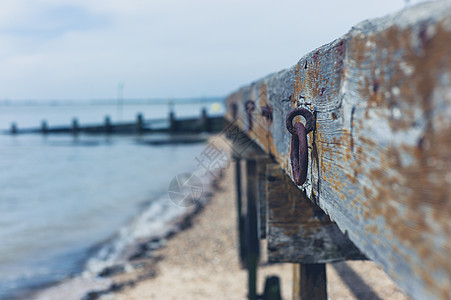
{"points": [[299, 149], [299, 154], [309, 119], [250, 105], [267, 111], [234, 108]]}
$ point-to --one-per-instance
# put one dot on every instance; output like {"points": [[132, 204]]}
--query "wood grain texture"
{"points": [[380, 158], [298, 231]]}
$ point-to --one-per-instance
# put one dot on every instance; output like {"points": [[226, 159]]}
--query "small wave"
{"points": [[156, 222]]}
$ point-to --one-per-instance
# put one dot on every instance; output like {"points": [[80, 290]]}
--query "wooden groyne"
{"points": [[373, 137], [172, 124]]}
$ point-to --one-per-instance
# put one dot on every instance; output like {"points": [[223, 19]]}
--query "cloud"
{"points": [[83, 48], [54, 22]]}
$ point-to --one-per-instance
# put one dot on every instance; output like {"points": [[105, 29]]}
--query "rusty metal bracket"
{"points": [[299, 150], [250, 106], [267, 111], [234, 108]]}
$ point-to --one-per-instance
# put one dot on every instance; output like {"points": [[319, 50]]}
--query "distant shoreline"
{"points": [[111, 101]]}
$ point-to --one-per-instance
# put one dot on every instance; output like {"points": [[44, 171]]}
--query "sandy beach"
{"points": [[201, 262]]}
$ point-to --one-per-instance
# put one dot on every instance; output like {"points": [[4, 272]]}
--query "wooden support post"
{"points": [[309, 282], [139, 122], [172, 122], [14, 128], [108, 128], [240, 218], [44, 127], [262, 162], [204, 121], [75, 127], [253, 242], [245, 149]]}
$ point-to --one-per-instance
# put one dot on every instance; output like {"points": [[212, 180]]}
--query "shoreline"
{"points": [[202, 263], [136, 262], [135, 258], [79, 194]]}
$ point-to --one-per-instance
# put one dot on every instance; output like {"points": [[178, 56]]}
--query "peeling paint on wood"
{"points": [[380, 158]]}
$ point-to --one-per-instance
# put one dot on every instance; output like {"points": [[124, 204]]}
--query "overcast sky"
{"points": [[82, 49]]}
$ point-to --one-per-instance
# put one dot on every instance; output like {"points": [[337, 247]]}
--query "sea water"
{"points": [[61, 196]]}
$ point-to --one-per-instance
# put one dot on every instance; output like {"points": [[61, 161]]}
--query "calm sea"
{"points": [[63, 196]]}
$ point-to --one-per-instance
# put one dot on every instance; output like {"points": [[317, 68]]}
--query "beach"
{"points": [[200, 261], [66, 198]]}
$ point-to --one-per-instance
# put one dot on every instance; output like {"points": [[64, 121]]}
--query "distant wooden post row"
{"points": [[203, 123]]}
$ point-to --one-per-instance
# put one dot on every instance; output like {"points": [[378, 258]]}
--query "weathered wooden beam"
{"points": [[379, 156], [298, 230]]}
